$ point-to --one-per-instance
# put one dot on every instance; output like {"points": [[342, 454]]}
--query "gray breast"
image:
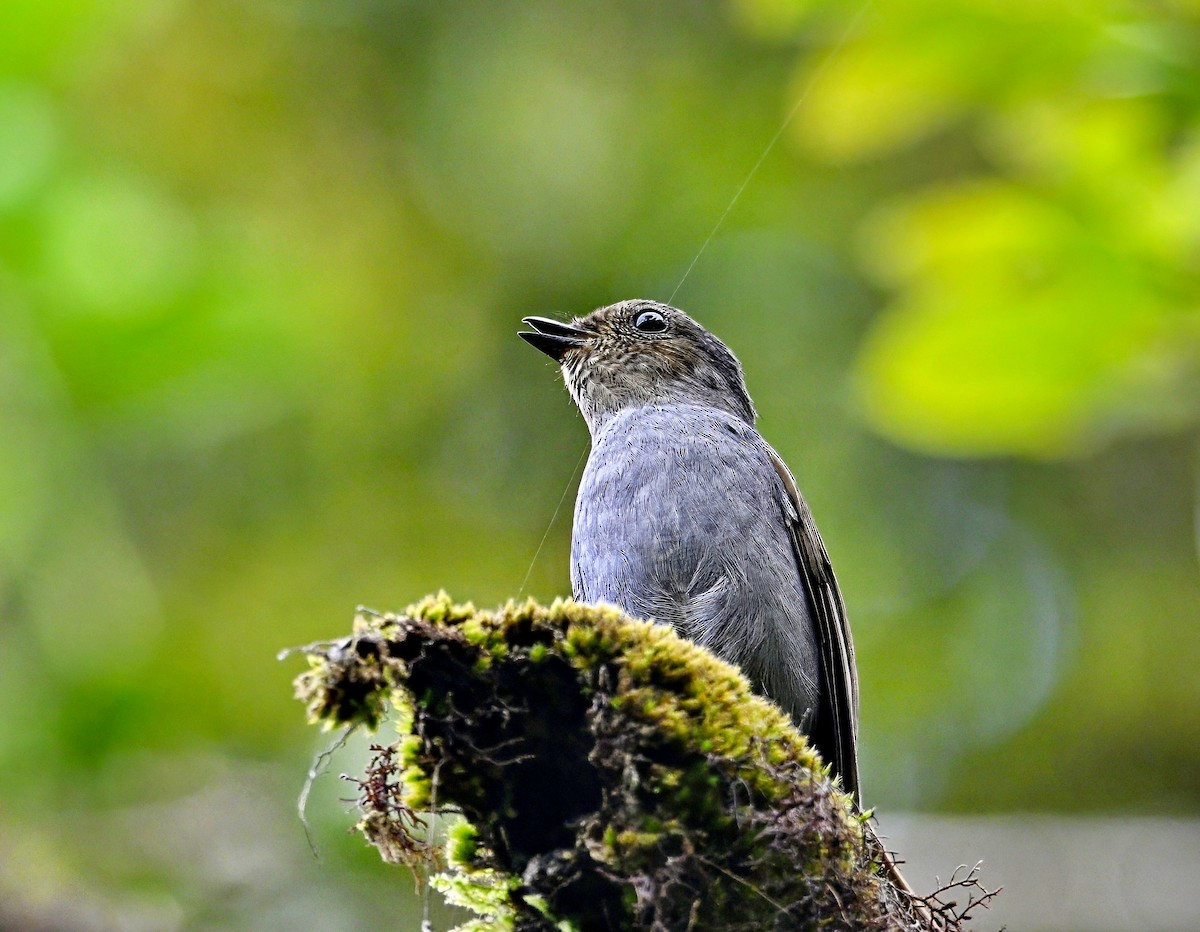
{"points": [[681, 518]]}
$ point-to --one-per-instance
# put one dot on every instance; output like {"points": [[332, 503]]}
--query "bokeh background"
{"points": [[261, 266]]}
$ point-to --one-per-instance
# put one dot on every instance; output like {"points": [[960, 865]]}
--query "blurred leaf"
{"points": [[36, 35], [914, 65], [29, 140], [772, 19], [116, 245], [1023, 327]]}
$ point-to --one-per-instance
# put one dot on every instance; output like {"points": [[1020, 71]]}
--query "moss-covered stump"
{"points": [[611, 774]]}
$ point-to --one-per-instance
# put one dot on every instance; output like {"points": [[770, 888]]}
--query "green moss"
{"points": [[462, 845], [614, 767], [487, 893]]}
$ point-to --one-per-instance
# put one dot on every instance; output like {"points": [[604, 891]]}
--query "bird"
{"points": [[685, 515]]}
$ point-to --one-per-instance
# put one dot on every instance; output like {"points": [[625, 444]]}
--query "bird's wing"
{"points": [[836, 725]]}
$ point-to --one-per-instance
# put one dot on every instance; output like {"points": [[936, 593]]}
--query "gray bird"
{"points": [[687, 516]]}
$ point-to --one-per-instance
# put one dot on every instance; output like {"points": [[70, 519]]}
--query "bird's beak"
{"points": [[553, 337]]}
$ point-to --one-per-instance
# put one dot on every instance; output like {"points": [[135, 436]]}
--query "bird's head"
{"points": [[636, 353]]}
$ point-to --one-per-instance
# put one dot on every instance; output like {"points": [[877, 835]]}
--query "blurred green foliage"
{"points": [[261, 264]]}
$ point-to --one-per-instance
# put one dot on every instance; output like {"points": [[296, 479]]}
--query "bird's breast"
{"points": [[681, 518], [671, 500]]}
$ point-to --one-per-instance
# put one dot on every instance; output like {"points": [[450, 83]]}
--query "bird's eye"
{"points": [[650, 322]]}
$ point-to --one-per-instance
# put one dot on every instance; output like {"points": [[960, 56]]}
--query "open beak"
{"points": [[553, 337]]}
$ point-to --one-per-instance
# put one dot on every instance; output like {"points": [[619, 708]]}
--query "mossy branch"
{"points": [[611, 775]]}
